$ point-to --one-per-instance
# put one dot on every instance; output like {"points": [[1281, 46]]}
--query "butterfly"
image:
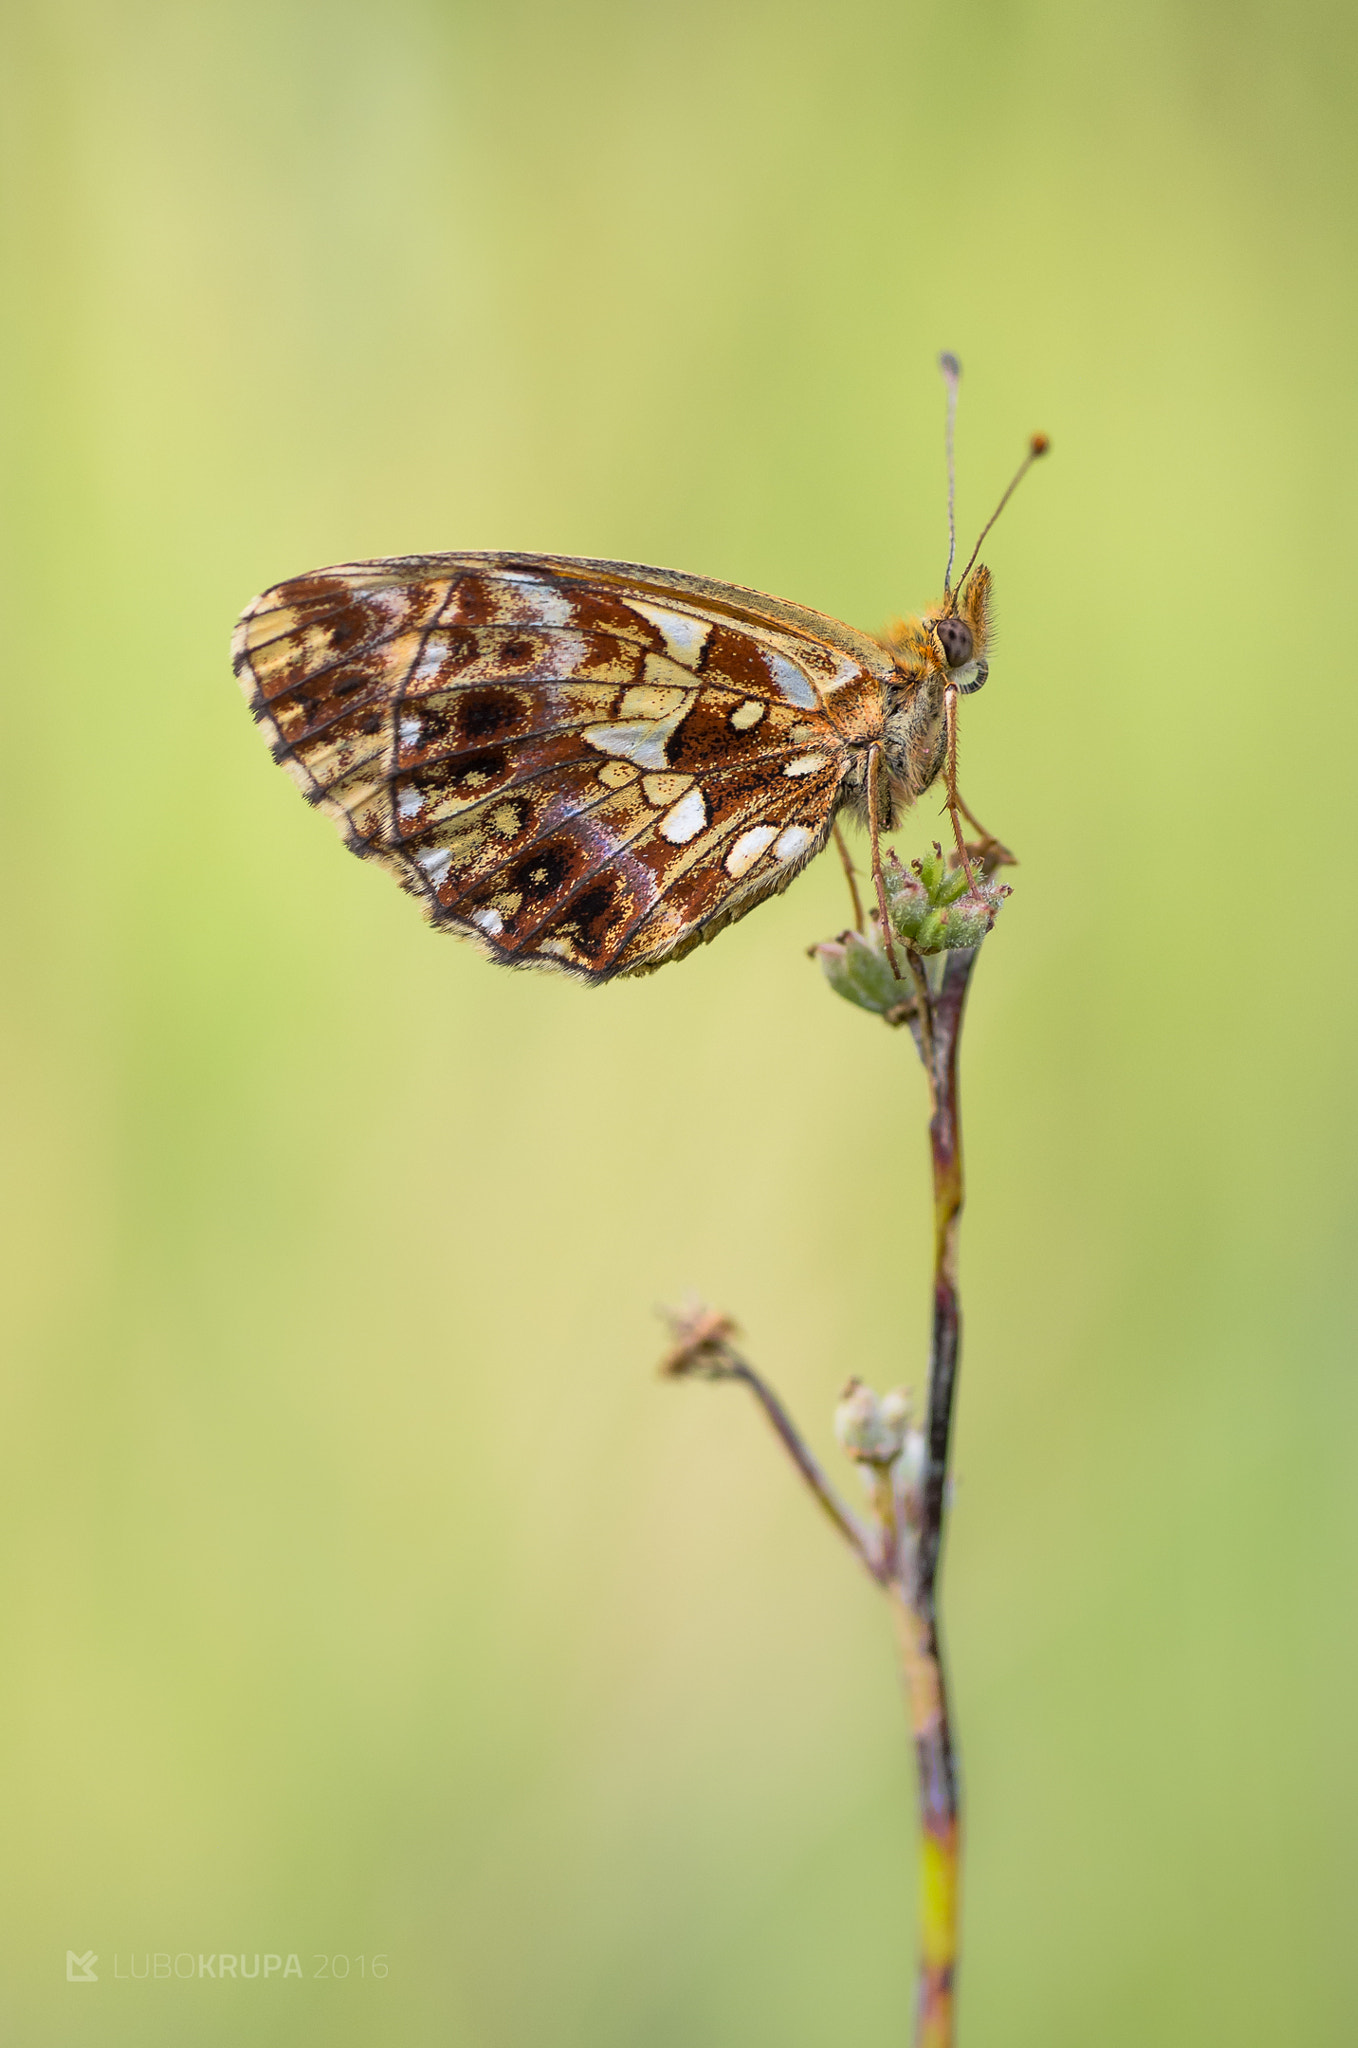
{"points": [[595, 766]]}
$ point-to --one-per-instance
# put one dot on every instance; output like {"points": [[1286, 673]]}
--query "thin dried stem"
{"points": [[704, 1350]]}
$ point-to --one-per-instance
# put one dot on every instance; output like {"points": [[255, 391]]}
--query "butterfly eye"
{"points": [[955, 639]]}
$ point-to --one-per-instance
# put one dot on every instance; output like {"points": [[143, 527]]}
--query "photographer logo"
{"points": [[163, 1967]]}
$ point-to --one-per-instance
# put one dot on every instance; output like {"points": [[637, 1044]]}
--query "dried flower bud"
{"points": [[872, 1430], [702, 1342], [898, 1408]]}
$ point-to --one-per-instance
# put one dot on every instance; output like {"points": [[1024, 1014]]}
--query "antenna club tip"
{"points": [[950, 366], [1039, 445]]}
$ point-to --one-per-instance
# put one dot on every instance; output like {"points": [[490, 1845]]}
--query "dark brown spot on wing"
{"points": [[546, 871], [471, 775], [492, 711]]}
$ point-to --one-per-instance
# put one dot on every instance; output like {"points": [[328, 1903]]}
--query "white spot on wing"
{"points": [[846, 671], [793, 686], [409, 800], [748, 848], [436, 861], [639, 741], [685, 820], [747, 714], [643, 740], [806, 764], [410, 730], [489, 921], [685, 637], [793, 840], [539, 600], [433, 655]]}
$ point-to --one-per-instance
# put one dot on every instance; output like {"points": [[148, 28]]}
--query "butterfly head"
{"points": [[960, 629], [949, 645]]}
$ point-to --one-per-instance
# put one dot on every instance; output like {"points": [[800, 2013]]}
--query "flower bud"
{"points": [[932, 871], [935, 908], [857, 968], [969, 919], [911, 1467]]}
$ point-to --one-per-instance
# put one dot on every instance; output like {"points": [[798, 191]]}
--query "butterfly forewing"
{"points": [[584, 765]]}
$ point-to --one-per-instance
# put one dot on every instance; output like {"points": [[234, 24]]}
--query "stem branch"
{"points": [[850, 1526], [703, 1349]]}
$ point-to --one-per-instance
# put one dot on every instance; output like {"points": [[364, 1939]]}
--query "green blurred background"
{"points": [[364, 1593]]}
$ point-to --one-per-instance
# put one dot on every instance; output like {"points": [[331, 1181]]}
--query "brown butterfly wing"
{"points": [[583, 765]]}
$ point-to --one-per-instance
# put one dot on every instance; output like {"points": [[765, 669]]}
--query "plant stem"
{"points": [[940, 1839], [703, 1348]]}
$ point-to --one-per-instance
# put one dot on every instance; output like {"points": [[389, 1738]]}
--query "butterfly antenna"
{"points": [[952, 372], [1037, 446]]}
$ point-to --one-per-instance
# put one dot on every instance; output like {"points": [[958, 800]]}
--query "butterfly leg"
{"points": [[850, 876], [950, 776], [876, 762]]}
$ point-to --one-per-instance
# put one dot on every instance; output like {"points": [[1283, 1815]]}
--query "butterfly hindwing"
{"points": [[584, 765]]}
